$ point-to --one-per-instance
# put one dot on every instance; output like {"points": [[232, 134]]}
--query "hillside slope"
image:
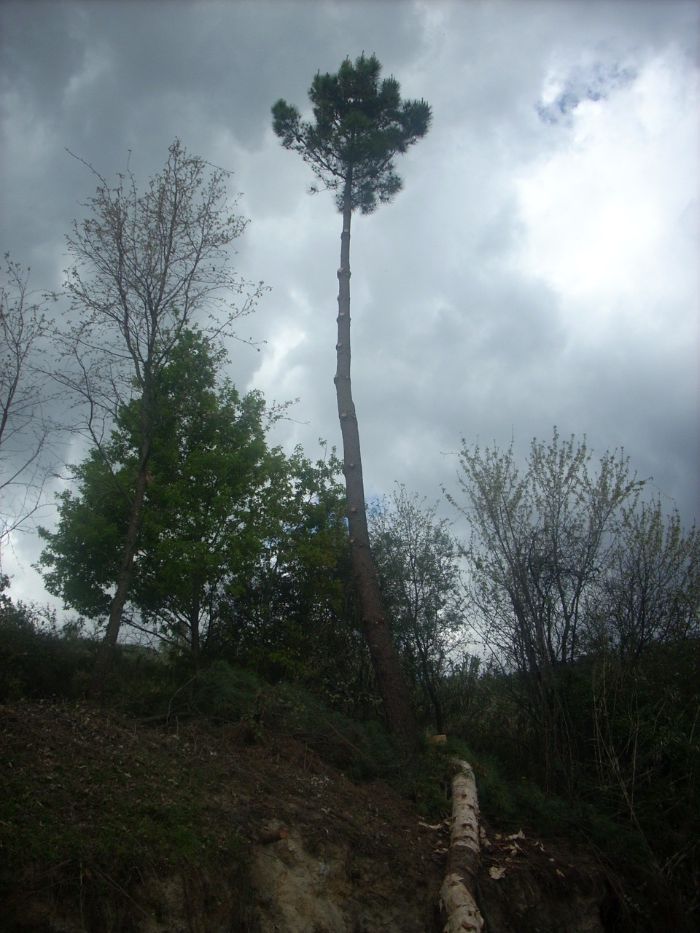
{"points": [[108, 824]]}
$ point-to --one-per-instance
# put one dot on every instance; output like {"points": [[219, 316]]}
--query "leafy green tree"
{"points": [[209, 502], [417, 558], [360, 126], [294, 617], [146, 265], [10, 613]]}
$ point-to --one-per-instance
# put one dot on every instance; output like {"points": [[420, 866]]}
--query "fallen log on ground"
{"points": [[457, 892]]}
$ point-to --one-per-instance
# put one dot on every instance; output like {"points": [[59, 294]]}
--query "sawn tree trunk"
{"points": [[457, 893]]}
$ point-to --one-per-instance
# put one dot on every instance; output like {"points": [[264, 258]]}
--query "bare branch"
{"points": [[24, 428]]}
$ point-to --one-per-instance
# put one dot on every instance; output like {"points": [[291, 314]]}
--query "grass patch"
{"points": [[88, 797]]}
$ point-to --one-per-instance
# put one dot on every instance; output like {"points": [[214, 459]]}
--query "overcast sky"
{"points": [[539, 267]]}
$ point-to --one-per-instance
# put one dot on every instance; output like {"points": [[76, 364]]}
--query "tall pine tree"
{"points": [[361, 125]]}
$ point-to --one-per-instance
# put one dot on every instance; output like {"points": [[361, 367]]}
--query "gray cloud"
{"points": [[455, 333]]}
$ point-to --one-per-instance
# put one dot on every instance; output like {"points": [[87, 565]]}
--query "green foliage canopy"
{"points": [[209, 499], [242, 550], [361, 124]]}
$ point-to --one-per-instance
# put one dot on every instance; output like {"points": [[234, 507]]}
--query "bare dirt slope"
{"points": [[112, 825], [107, 825]]}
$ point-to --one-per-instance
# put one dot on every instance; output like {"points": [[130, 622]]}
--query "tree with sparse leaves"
{"points": [[587, 596], [24, 427], [360, 126], [649, 592], [541, 537], [418, 562], [147, 266]]}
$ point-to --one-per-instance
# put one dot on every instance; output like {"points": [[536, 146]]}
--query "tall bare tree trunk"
{"points": [[385, 660]]}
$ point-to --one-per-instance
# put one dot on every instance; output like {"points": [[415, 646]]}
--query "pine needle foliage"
{"points": [[361, 125]]}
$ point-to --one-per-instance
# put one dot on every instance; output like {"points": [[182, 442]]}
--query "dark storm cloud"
{"points": [[103, 78], [103, 69], [461, 327]]}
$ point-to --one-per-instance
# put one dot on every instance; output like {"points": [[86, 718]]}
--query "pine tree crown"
{"points": [[360, 126]]}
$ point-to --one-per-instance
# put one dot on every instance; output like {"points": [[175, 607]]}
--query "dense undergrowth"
{"points": [[129, 807], [98, 801]]}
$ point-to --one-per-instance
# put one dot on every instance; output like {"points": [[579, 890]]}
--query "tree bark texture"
{"points": [[457, 891], [385, 659], [105, 654]]}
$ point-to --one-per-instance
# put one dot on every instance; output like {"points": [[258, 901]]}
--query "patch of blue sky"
{"points": [[596, 82]]}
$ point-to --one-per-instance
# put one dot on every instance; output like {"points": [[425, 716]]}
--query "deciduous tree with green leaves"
{"points": [[209, 504], [295, 617], [360, 126], [148, 265]]}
